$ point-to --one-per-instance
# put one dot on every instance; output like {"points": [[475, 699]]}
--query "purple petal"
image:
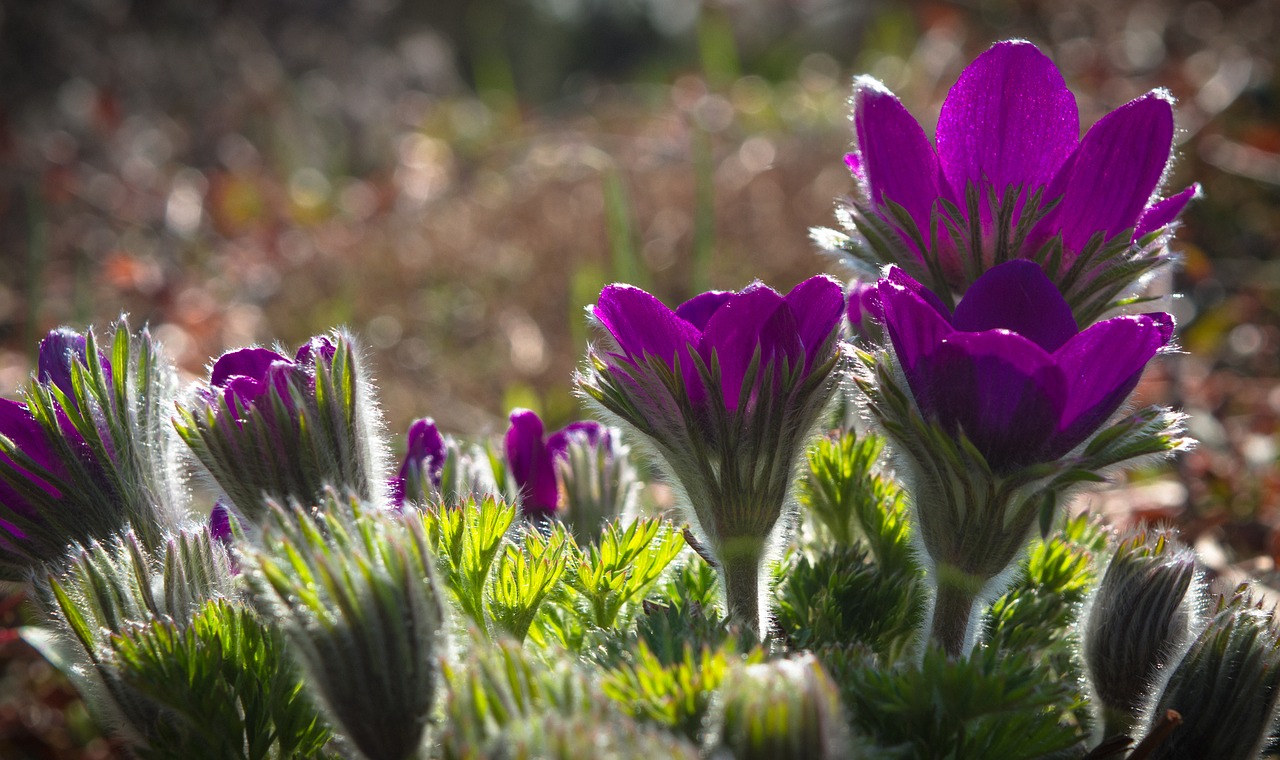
{"points": [[753, 319], [1009, 120], [243, 362], [320, 346], [916, 326], [529, 462], [1111, 177], [220, 523], [58, 351], [425, 448], [1101, 366], [817, 304], [1164, 212], [641, 324], [1001, 390], [17, 424], [1017, 296], [899, 163], [864, 306], [590, 431], [697, 311], [854, 162]]}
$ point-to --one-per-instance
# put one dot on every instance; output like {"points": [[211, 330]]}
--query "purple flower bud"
{"points": [[425, 455], [266, 426], [17, 424], [58, 351], [864, 307], [1009, 368], [530, 464], [727, 389], [320, 346]]}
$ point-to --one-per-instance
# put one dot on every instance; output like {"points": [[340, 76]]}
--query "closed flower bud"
{"points": [[782, 709], [595, 469], [356, 594], [1226, 687], [90, 453], [1138, 623]]}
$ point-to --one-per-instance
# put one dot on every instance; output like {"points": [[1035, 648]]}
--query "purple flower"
{"points": [[270, 427], [425, 454], [728, 389], [794, 332], [1009, 129], [1010, 369], [531, 457]]}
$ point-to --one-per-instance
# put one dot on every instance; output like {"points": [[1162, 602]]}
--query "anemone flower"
{"points": [[1005, 411], [1009, 368], [424, 458], [1010, 177], [727, 390], [270, 427]]}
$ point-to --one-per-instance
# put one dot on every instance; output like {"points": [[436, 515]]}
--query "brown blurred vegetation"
{"points": [[456, 181]]}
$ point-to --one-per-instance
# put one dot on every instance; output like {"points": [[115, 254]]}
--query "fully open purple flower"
{"points": [[1009, 129], [1009, 368]]}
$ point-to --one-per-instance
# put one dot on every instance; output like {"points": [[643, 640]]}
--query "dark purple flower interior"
{"points": [[1009, 369]]}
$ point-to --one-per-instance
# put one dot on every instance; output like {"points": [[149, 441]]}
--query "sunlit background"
{"points": [[455, 181]]}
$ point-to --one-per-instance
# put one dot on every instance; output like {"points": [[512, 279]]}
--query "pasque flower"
{"points": [[1138, 623], [86, 455], [423, 464], [270, 427], [726, 390], [997, 410], [532, 458], [1010, 177], [1009, 369]]}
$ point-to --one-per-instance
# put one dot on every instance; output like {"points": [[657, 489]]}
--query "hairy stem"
{"points": [[740, 561]]}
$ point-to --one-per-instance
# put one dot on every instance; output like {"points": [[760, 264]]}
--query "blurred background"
{"points": [[456, 180]]}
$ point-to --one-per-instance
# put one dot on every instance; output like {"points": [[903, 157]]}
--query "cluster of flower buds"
{"points": [[267, 427], [726, 391], [90, 452]]}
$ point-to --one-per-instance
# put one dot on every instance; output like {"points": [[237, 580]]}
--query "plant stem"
{"points": [[740, 571], [952, 608]]}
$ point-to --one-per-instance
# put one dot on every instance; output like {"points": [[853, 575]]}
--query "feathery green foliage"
{"points": [[226, 688]]}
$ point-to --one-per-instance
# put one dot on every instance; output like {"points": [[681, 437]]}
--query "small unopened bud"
{"points": [[1226, 688], [599, 480], [785, 708], [1138, 623], [357, 596]]}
